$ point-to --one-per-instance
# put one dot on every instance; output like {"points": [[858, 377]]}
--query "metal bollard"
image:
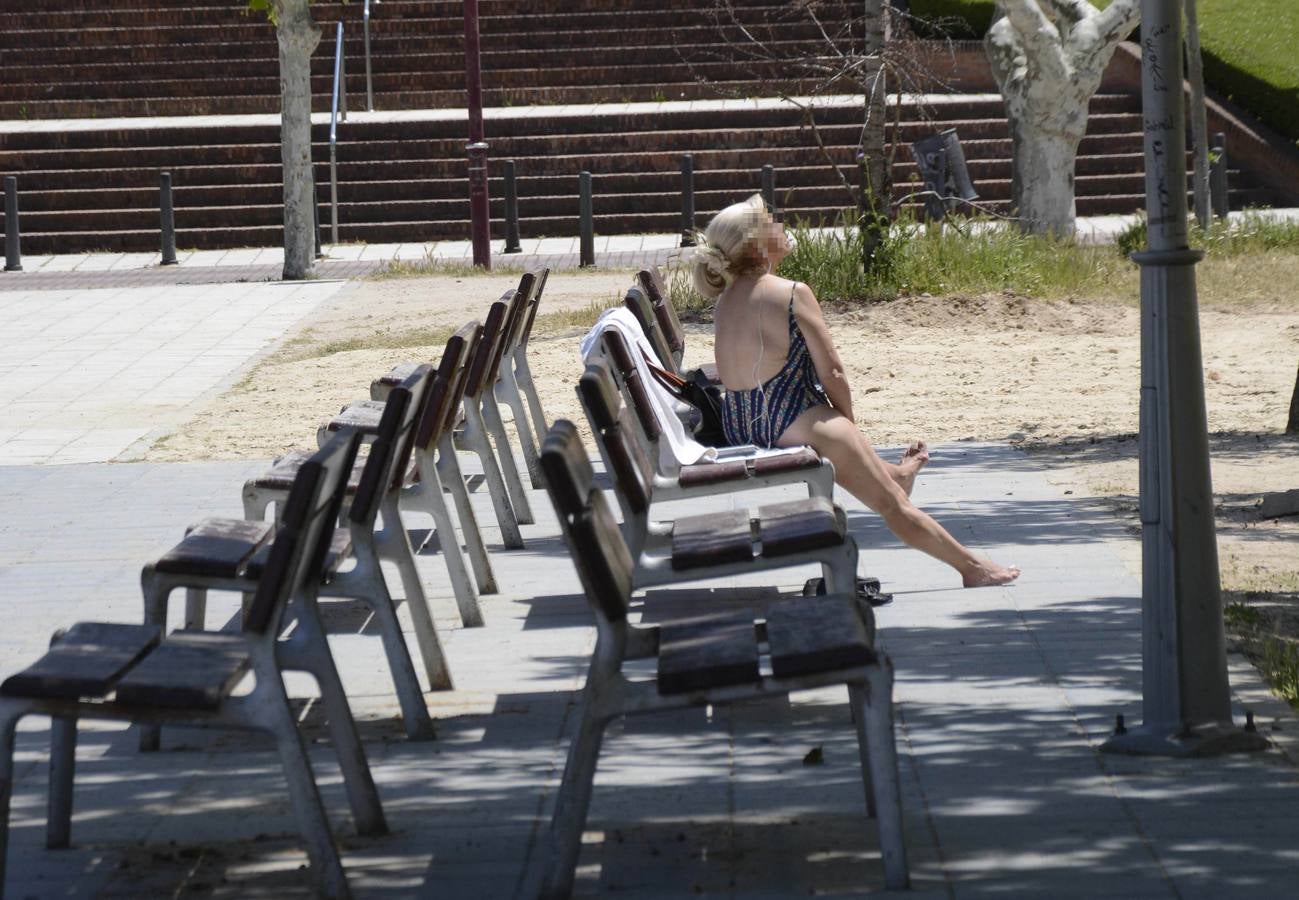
{"points": [[13, 254], [315, 213], [1218, 200], [769, 190], [586, 255], [168, 220], [687, 200], [512, 244]]}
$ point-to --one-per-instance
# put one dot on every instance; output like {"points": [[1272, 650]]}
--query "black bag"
{"points": [[696, 390]]}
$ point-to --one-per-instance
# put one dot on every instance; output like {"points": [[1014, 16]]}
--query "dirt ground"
{"points": [[1058, 378]]}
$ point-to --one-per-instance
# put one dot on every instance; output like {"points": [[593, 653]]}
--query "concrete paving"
{"points": [[1002, 699]]}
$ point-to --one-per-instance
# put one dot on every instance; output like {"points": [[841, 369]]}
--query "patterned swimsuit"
{"points": [[759, 416]]}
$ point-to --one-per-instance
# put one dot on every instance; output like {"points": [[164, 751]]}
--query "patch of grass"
{"points": [[1240, 615], [1279, 665], [429, 265], [582, 317], [982, 257], [307, 347]]}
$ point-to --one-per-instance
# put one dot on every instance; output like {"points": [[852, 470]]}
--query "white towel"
{"points": [[676, 448]]}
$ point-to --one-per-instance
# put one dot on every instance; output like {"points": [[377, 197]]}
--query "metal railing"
{"points": [[369, 87], [340, 91]]}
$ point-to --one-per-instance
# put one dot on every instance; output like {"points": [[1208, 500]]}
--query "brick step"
{"points": [[383, 46], [442, 65], [585, 127], [975, 135], [156, 16], [222, 83], [398, 201], [234, 27]]}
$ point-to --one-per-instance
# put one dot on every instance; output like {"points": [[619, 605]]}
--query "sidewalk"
{"points": [[1003, 694], [1003, 697]]}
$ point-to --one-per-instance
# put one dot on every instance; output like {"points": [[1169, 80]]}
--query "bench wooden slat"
{"points": [[340, 547], [806, 458], [714, 472], [280, 476], [189, 670], [380, 387], [215, 547], [85, 662], [711, 540], [799, 526], [708, 652], [363, 415], [817, 634]]}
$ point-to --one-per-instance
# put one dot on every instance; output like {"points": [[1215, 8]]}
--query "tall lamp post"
{"points": [[1186, 702], [477, 147]]}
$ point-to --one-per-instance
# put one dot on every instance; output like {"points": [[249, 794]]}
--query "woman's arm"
{"points": [[825, 358]]}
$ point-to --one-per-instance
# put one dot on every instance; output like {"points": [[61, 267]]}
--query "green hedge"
{"points": [[1249, 50]]}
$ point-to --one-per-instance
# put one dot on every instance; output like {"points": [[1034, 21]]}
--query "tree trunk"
{"points": [[298, 37], [1042, 186], [1292, 425], [1199, 116], [876, 189]]}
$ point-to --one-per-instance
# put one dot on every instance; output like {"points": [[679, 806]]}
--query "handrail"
{"points": [[340, 89], [369, 88]]}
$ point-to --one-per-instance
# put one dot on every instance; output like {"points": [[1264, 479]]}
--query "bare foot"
{"points": [[987, 573], [912, 461]]}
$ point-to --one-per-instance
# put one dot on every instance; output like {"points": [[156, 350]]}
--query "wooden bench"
{"points": [[436, 467], [650, 303], [224, 554], [808, 643], [131, 673], [736, 468]]}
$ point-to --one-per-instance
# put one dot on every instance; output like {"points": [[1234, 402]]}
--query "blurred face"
{"points": [[777, 244]]}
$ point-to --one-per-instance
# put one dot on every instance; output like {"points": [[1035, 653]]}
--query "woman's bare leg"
{"points": [[859, 469]]}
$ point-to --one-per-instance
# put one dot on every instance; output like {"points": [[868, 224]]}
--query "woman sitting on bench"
{"points": [[785, 384]]}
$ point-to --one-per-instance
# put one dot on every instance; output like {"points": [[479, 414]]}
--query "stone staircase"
{"points": [[402, 177]]}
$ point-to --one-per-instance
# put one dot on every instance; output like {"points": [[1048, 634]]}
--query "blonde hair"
{"points": [[732, 245]]}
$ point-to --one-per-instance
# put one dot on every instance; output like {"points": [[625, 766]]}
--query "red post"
{"points": [[477, 147]]}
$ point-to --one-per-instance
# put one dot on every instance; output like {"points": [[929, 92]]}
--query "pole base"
{"points": [[1210, 739], [510, 249], [17, 268]]}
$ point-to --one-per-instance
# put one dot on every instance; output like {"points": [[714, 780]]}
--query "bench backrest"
{"points": [[625, 456], [448, 385], [385, 467], [638, 302], [651, 283], [539, 288], [304, 531], [482, 371], [628, 376], [518, 313], [599, 552]]}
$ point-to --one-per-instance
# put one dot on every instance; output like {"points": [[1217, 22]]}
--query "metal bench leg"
{"points": [[371, 585], [63, 761], [273, 712], [414, 712], [466, 598], [156, 589], [391, 542], [476, 438], [509, 466], [572, 805], [308, 651], [876, 716], [523, 375], [450, 476], [195, 608], [8, 726], [509, 392], [857, 704]]}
